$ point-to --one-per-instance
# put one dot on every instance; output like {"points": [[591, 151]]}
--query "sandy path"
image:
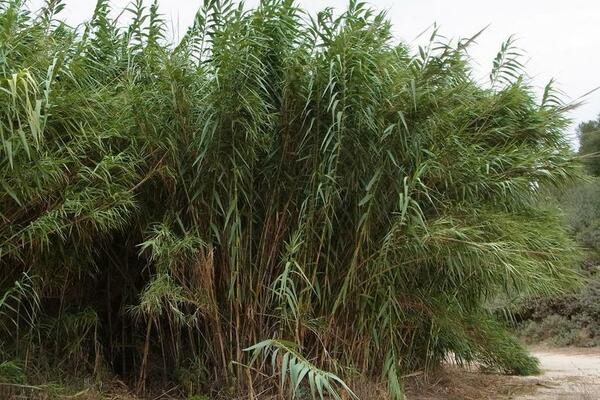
{"points": [[569, 374]]}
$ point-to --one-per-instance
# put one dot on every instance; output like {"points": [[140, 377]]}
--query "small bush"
{"points": [[571, 320]]}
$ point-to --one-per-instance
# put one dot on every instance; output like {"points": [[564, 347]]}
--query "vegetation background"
{"points": [[278, 205]]}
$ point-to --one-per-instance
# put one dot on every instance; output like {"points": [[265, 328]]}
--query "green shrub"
{"points": [[572, 320]]}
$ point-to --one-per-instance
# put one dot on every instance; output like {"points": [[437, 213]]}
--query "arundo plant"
{"points": [[277, 204]]}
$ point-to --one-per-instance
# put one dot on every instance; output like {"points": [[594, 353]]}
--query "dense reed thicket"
{"points": [[276, 202]]}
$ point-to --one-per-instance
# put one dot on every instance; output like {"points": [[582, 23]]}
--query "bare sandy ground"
{"points": [[569, 374]]}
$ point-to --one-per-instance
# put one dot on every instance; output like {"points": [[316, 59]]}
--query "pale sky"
{"points": [[561, 38]]}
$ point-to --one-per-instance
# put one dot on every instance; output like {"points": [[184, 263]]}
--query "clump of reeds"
{"points": [[277, 202]]}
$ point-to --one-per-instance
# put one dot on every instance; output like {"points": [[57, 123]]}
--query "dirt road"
{"points": [[569, 374]]}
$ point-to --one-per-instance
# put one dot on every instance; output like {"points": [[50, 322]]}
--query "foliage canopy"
{"points": [[589, 144]]}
